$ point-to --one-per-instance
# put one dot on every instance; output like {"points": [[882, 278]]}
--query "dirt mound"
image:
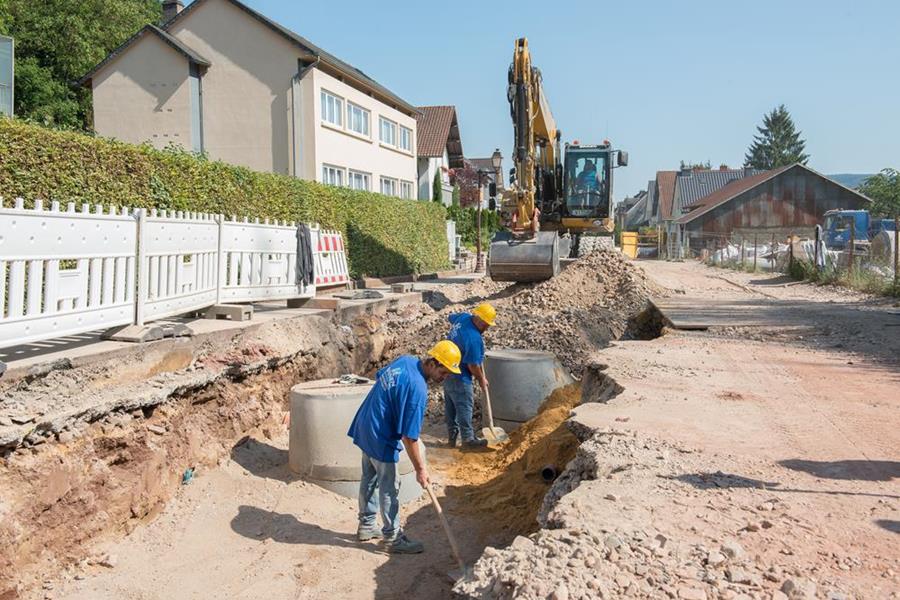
{"points": [[505, 487], [571, 315]]}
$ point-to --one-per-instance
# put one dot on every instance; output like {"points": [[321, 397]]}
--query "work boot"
{"points": [[451, 441], [364, 533], [403, 545], [475, 444]]}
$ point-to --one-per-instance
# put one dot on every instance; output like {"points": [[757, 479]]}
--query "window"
{"points": [[406, 190], [405, 138], [359, 180], [388, 133], [357, 119], [332, 109], [332, 175], [388, 186]]}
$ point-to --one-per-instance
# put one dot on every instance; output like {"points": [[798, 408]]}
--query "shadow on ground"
{"points": [[892, 526], [851, 470], [260, 524], [720, 480], [263, 460]]}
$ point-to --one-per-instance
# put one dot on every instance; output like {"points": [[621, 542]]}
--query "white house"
{"points": [[220, 78], [439, 149]]}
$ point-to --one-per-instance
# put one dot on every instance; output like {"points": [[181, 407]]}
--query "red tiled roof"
{"points": [[736, 187], [433, 128], [665, 183]]}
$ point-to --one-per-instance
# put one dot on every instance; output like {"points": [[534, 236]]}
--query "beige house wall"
{"points": [[255, 111], [343, 148], [144, 96], [246, 91]]}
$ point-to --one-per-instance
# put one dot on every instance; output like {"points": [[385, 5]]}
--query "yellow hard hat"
{"points": [[447, 353], [485, 312]]}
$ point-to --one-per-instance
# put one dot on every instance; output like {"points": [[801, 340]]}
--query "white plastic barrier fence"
{"points": [[178, 258], [64, 272], [67, 272], [330, 258]]}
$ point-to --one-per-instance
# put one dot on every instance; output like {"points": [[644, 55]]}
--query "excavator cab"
{"points": [[587, 182]]}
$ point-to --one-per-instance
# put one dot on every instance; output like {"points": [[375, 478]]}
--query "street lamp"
{"points": [[496, 159]]}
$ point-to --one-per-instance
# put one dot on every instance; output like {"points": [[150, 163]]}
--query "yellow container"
{"points": [[629, 243]]}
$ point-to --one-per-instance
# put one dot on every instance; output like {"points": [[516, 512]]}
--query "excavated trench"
{"points": [[120, 470]]}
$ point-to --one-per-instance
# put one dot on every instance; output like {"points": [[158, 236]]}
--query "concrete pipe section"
{"points": [[520, 381], [320, 450]]}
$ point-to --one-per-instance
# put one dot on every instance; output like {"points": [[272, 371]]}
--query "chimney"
{"points": [[170, 8]]}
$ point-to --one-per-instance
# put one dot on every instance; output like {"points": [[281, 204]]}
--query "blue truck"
{"points": [[838, 224]]}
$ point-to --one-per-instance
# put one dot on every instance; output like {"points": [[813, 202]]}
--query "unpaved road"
{"points": [[775, 424]]}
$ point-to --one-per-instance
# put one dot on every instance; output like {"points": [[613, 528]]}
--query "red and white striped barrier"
{"points": [[330, 259]]}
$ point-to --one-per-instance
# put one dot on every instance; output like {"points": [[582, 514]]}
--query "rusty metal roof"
{"points": [[734, 189], [692, 185], [437, 129]]}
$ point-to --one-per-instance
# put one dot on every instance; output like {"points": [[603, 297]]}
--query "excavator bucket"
{"points": [[531, 259]]}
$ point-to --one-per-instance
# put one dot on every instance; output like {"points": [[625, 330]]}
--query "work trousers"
{"points": [[385, 478], [459, 398]]}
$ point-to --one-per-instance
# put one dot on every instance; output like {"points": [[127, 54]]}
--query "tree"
{"points": [[57, 42], [467, 180], [437, 190], [455, 200], [697, 166], [884, 190], [777, 143]]}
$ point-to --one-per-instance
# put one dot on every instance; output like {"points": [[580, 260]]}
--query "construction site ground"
{"points": [[754, 455]]}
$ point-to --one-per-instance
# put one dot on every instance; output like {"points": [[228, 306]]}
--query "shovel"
{"points": [[457, 574], [494, 435]]}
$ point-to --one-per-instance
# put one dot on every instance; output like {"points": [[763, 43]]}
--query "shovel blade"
{"points": [[494, 435]]}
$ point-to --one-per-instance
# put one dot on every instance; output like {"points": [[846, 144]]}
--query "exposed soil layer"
{"points": [[97, 478], [505, 487]]}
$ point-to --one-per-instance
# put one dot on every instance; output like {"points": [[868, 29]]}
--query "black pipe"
{"points": [[549, 473]]}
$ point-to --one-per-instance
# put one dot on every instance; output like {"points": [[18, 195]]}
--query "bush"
{"points": [[384, 235], [467, 225]]}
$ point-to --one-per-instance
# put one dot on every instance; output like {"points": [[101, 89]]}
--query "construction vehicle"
{"points": [[841, 224], [554, 190]]}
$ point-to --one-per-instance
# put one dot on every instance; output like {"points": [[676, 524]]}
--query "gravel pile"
{"points": [[571, 315], [592, 546]]}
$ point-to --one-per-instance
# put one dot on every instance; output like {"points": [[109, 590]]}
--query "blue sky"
{"points": [[664, 80]]}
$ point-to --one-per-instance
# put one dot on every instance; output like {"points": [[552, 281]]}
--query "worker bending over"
{"points": [[459, 393], [388, 421]]}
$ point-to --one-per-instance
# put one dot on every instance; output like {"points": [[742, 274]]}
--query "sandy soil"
{"points": [[727, 429]]}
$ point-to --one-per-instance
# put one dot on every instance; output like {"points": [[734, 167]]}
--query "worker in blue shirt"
{"points": [[388, 421], [459, 393]]}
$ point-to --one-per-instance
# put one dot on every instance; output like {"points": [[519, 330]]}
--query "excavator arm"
{"points": [[536, 140], [523, 253]]}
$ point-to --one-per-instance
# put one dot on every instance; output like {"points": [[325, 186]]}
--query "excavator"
{"points": [[559, 198]]}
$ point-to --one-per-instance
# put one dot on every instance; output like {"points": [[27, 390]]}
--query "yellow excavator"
{"points": [[552, 190]]}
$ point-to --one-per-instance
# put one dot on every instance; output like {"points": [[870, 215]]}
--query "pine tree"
{"points": [[777, 143], [437, 190]]}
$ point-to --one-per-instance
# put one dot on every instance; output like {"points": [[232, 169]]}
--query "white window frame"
{"points": [[394, 184], [366, 120], [409, 138], [328, 171], [367, 180], [406, 189], [336, 111], [392, 126]]}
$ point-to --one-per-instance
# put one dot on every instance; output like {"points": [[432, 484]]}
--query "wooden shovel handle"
{"points": [[453, 547], [487, 408]]}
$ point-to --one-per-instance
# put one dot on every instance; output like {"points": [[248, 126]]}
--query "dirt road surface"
{"points": [[783, 436]]}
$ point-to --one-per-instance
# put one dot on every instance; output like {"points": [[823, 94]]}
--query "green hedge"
{"points": [[467, 224], [384, 235]]}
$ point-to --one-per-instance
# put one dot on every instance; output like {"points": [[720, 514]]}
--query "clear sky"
{"points": [[666, 81]]}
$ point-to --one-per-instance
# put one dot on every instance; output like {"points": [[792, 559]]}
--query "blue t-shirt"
{"points": [[394, 408], [464, 334]]}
